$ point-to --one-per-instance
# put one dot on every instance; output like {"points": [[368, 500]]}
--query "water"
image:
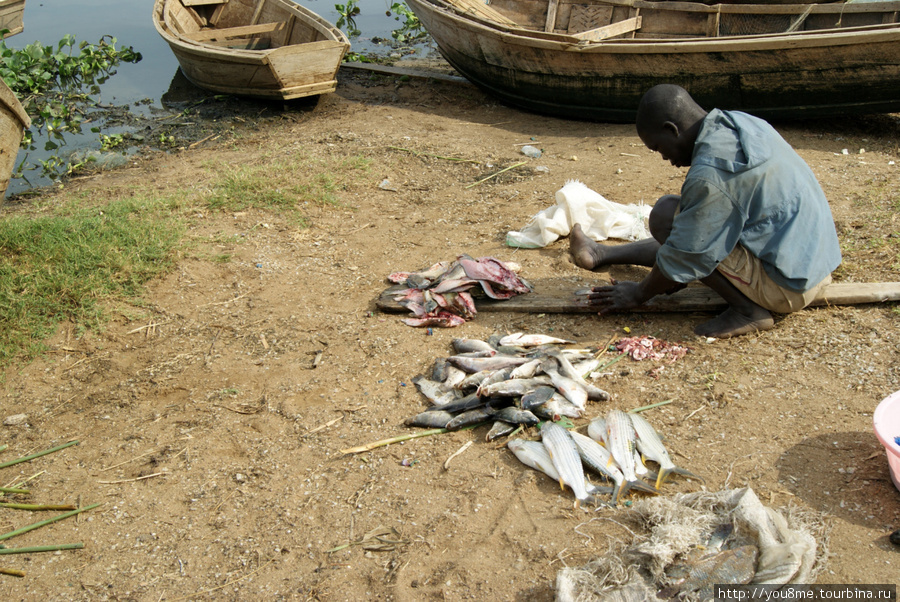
{"points": [[141, 85]]}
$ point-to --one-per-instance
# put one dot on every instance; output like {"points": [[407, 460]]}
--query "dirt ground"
{"points": [[211, 421]]}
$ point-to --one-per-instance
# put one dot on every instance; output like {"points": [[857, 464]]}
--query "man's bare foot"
{"points": [[730, 323], [585, 253]]}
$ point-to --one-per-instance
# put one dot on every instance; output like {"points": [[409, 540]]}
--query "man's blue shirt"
{"points": [[747, 185]]}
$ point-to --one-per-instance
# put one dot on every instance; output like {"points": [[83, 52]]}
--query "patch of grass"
{"points": [[67, 264], [284, 185]]}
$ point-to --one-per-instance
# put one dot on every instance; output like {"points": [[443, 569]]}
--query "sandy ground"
{"points": [[211, 419]]}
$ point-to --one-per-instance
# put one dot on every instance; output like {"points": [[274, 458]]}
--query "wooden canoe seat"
{"points": [[609, 31], [244, 31]]}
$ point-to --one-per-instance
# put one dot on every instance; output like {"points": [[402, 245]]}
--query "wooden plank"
{"points": [[609, 31], [235, 32], [693, 298], [202, 2], [552, 7], [482, 10]]}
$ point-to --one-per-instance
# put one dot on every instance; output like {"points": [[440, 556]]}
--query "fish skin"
{"points": [[564, 453], [597, 458], [464, 345], [538, 397], [556, 407], [569, 371], [431, 389], [469, 417], [650, 444], [477, 364], [532, 340], [454, 376], [515, 415], [597, 429], [534, 455], [469, 402], [432, 272], [439, 370], [499, 429], [443, 319], [512, 387], [527, 370], [474, 380], [437, 419], [620, 437], [570, 389]]}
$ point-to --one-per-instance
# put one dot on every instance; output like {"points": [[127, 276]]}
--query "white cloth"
{"points": [[577, 204]]}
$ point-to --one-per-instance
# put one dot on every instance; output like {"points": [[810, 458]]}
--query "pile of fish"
{"points": [[518, 379], [442, 295], [615, 448]]}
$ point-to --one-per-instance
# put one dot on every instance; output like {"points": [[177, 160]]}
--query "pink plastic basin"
{"points": [[887, 428]]}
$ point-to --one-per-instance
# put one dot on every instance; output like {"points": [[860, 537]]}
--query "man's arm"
{"points": [[628, 295]]}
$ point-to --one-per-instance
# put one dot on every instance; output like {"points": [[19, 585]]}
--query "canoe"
{"points": [[269, 49], [594, 59], [11, 14], [13, 123]]}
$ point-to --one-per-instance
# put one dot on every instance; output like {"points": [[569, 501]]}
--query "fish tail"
{"points": [[639, 485], [688, 474], [562, 484], [662, 476]]}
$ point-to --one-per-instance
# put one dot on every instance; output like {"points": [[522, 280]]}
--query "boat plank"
{"points": [[609, 31], [207, 35]]}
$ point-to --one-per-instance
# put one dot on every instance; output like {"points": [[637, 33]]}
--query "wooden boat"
{"points": [[11, 14], [13, 123], [594, 59], [270, 49]]}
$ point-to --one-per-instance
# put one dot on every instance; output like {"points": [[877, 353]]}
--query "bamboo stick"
{"points": [[14, 490], [43, 523], [39, 454], [37, 507], [35, 549], [651, 406]]}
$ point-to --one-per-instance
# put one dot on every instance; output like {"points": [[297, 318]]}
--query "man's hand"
{"points": [[615, 297]]}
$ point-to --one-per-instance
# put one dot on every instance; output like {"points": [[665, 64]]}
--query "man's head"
{"points": [[668, 120]]}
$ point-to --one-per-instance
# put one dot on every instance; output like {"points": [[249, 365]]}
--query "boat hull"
{"points": [[293, 70], [13, 123], [804, 74], [11, 14]]}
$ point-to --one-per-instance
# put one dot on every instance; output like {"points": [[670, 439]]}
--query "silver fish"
{"points": [[477, 364], [474, 380], [499, 429], [535, 455], [468, 345], [570, 389], [620, 438], [569, 371], [469, 402], [532, 340], [597, 458], [454, 376], [526, 370], [436, 419], [436, 392], [597, 429], [515, 415], [566, 460], [469, 417], [650, 444], [558, 406], [513, 387], [538, 397]]}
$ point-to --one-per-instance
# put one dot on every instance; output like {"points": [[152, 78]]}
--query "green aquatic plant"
{"points": [[411, 30], [57, 86]]}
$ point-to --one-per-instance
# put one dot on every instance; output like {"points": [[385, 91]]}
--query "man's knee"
{"points": [[661, 216]]}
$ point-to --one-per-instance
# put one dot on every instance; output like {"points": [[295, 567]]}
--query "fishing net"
{"points": [[685, 544]]}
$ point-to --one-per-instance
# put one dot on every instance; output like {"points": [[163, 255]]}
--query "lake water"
{"points": [[130, 22]]}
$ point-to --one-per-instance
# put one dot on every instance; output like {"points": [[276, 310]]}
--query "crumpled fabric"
{"points": [[577, 204]]}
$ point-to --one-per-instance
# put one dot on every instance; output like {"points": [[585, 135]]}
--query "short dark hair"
{"points": [[666, 102]]}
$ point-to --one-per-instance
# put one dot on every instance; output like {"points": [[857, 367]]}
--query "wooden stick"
{"points": [[497, 174], [398, 439], [149, 476], [323, 426], [39, 454], [42, 523], [456, 453], [35, 549]]}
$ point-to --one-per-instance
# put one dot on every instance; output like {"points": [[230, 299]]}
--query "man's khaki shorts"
{"points": [[746, 273]]}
